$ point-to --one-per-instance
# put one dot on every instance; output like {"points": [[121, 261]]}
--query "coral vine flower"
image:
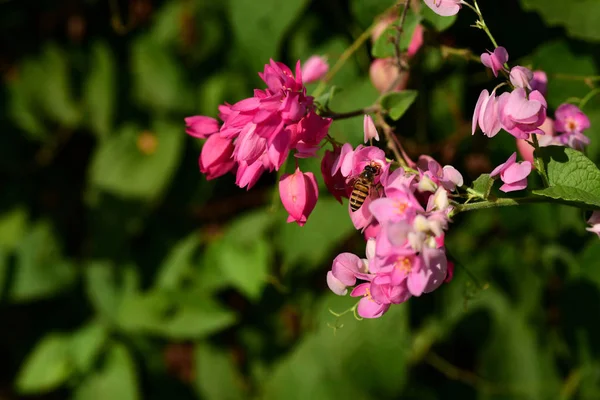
{"points": [[369, 129], [335, 182], [445, 8], [513, 174], [495, 60], [299, 193], [521, 116], [486, 114], [526, 150], [594, 221], [539, 82], [314, 69], [384, 73], [215, 157], [262, 129], [521, 77], [571, 121]]}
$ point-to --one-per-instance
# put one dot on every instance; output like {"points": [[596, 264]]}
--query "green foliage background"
{"points": [[124, 274]]}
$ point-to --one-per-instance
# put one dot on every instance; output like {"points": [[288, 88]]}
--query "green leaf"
{"points": [[398, 102], [437, 21], [580, 18], [362, 357], [86, 344], [384, 45], [247, 266], [482, 185], [100, 90], [178, 263], [40, 270], [311, 244], [252, 25], [366, 11], [115, 380], [158, 79], [102, 290], [13, 225], [46, 367], [125, 168], [216, 375], [573, 177]]}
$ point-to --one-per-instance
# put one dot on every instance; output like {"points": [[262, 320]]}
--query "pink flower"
{"points": [[367, 306], [513, 174], [314, 69], [521, 116], [416, 41], [432, 175], [445, 8], [495, 60], [201, 127], [539, 82], [266, 127], [335, 182], [594, 221], [347, 267], [299, 193], [526, 150], [384, 73], [336, 285], [521, 77], [369, 129], [486, 114], [216, 157], [571, 121]]}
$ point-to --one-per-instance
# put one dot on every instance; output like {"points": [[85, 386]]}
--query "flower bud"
{"points": [[384, 73], [369, 129], [216, 157], [539, 82], [299, 193], [521, 77], [495, 60], [314, 69]]}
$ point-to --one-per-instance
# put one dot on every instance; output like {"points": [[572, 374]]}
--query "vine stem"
{"points": [[501, 202], [350, 114]]}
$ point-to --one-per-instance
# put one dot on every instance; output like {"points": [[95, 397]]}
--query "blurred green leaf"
{"points": [[216, 374], [397, 103], [310, 245], [247, 266], [363, 358], [23, 110], [86, 344], [218, 89], [13, 225], [572, 176], [437, 21], [46, 367], [190, 316], [167, 27], [366, 11], [40, 270], [158, 79], [580, 18], [100, 90], [101, 288], [384, 45], [588, 260], [138, 164], [252, 24], [178, 263], [115, 380]]}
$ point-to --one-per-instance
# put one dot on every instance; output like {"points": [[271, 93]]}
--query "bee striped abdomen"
{"points": [[360, 192]]}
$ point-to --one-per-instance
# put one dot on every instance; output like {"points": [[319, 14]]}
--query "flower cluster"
{"points": [[258, 133], [404, 219]]}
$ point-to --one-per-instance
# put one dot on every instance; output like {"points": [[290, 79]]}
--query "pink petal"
{"points": [[511, 187], [483, 96], [370, 132], [335, 285], [511, 160], [516, 172]]}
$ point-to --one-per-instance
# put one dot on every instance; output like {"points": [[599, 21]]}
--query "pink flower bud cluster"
{"points": [[258, 133], [406, 216]]}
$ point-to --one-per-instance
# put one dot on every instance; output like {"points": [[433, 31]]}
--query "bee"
{"points": [[363, 184]]}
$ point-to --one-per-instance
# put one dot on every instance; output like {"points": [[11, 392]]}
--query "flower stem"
{"points": [[349, 114], [501, 202], [588, 97]]}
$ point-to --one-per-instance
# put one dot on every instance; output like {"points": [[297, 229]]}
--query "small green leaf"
{"points": [[13, 225], [124, 166], [483, 186], [398, 102], [85, 345], [115, 380], [573, 177], [217, 377], [100, 90], [247, 266], [47, 366], [437, 21], [40, 270], [102, 290], [178, 263], [384, 45]]}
